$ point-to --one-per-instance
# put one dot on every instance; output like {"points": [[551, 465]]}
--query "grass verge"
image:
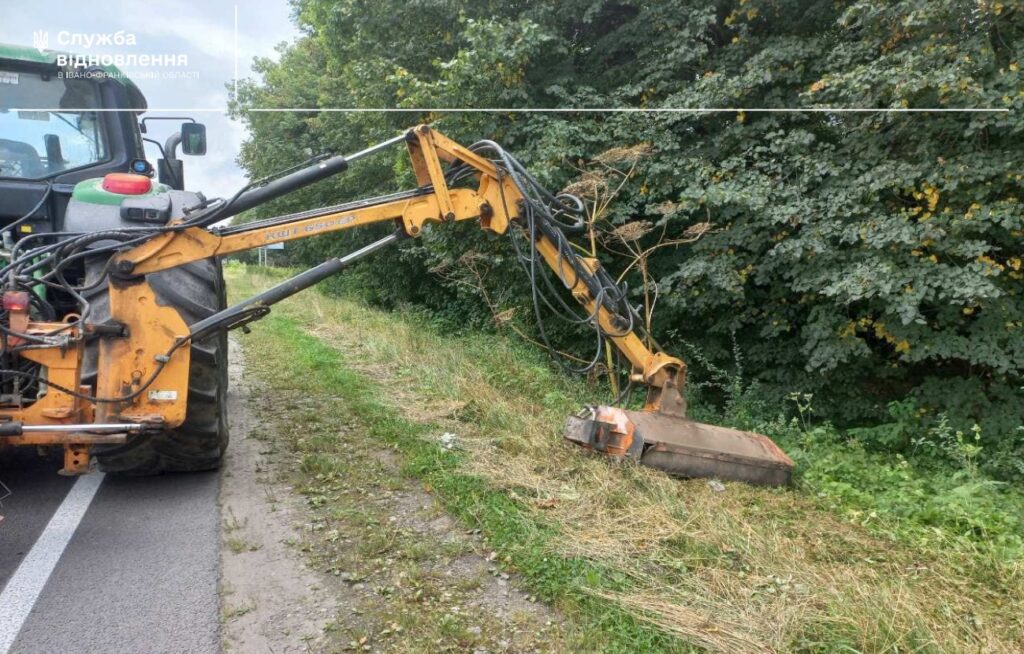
{"points": [[639, 561]]}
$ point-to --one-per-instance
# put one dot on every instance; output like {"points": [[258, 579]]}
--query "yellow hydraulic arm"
{"points": [[144, 358], [493, 203]]}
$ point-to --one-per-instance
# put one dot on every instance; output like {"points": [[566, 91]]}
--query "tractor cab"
{"points": [[61, 126]]}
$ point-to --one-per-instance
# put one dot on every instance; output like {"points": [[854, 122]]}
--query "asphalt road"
{"points": [[137, 573]]}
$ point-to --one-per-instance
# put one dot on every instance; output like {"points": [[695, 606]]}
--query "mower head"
{"points": [[662, 437]]}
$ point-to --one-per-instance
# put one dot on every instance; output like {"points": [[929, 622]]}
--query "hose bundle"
{"points": [[554, 216]]}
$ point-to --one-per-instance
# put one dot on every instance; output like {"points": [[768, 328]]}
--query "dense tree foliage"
{"points": [[867, 258]]}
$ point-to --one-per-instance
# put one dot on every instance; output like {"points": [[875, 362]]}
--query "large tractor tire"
{"points": [[197, 291]]}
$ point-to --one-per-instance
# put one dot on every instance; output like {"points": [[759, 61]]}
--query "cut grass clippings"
{"points": [[520, 540], [402, 575], [641, 561]]}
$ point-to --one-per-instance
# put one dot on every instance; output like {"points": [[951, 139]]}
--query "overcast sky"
{"points": [[204, 30]]}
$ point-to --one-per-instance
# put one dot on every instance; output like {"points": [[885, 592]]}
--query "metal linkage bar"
{"points": [[383, 145]]}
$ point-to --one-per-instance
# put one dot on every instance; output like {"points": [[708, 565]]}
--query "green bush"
{"points": [[864, 258]]}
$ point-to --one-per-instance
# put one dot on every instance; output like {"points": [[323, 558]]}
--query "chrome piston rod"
{"points": [[17, 428]]}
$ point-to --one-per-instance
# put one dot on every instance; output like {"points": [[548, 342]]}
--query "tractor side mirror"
{"points": [[193, 139]]}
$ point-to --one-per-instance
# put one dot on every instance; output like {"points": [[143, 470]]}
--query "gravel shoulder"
{"points": [[357, 558], [271, 600]]}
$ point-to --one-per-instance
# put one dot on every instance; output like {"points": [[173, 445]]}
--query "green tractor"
{"points": [[68, 137]]}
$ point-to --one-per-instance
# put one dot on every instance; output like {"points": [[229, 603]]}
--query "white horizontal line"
{"points": [[560, 110], [27, 582], [638, 110], [93, 109]]}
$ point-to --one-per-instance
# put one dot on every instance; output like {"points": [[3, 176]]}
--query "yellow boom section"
{"points": [[143, 362], [493, 203]]}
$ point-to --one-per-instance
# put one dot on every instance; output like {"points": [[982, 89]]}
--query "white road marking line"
{"points": [[23, 588]]}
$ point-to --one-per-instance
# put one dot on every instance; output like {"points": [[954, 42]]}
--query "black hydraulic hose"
{"points": [[542, 215]]}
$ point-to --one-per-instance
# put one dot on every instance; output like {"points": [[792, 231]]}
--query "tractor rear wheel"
{"points": [[197, 291]]}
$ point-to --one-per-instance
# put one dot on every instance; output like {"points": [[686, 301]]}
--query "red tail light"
{"points": [[16, 301]]}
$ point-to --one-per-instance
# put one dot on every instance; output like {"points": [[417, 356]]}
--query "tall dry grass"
{"points": [[741, 570]]}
